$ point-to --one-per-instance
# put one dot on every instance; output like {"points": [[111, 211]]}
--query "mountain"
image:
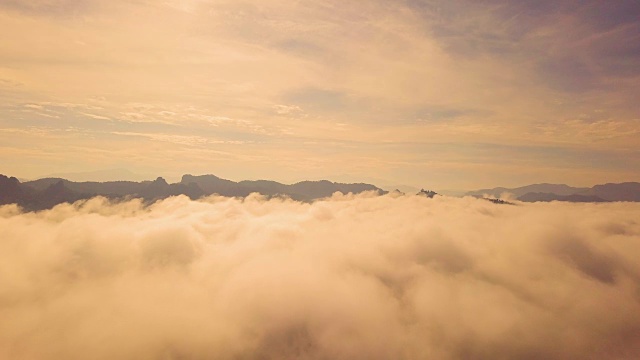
{"points": [[10, 190], [212, 184], [428, 193], [324, 188], [558, 189], [45, 193], [302, 191], [407, 189], [628, 191], [535, 197]]}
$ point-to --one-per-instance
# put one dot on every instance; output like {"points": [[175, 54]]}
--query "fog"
{"points": [[350, 277]]}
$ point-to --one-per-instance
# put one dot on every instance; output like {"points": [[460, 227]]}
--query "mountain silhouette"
{"points": [[535, 197], [45, 193], [302, 191], [558, 189], [628, 191], [10, 190], [427, 193]]}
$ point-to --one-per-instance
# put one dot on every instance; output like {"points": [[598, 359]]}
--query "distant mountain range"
{"points": [[48, 192], [628, 191]]}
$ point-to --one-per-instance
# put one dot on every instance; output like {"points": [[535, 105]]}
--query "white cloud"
{"points": [[288, 109], [191, 140], [351, 277], [94, 116]]}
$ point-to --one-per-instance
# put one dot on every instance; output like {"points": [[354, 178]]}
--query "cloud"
{"points": [[180, 139], [574, 46], [50, 7], [415, 72], [350, 277], [325, 100]]}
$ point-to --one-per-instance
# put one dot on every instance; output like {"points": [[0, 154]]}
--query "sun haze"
{"points": [[319, 180], [454, 94]]}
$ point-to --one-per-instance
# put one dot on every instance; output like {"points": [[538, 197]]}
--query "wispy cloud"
{"points": [[190, 140], [276, 71]]}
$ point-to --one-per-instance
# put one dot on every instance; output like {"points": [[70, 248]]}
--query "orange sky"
{"points": [[437, 94]]}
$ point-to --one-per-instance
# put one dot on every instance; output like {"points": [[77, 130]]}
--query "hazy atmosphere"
{"points": [[444, 94], [319, 180], [367, 277]]}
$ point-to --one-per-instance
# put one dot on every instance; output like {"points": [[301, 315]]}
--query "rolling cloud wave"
{"points": [[350, 277]]}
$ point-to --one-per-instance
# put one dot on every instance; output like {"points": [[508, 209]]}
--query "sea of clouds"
{"points": [[350, 277]]}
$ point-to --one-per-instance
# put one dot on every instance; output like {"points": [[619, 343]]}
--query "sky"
{"points": [[454, 94]]}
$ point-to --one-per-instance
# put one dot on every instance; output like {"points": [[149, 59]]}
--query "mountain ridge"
{"points": [[558, 189], [45, 193], [626, 191]]}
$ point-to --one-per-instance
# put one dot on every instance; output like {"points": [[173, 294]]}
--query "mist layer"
{"points": [[350, 277]]}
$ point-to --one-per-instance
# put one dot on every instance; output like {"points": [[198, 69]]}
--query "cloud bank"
{"points": [[350, 277]]}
